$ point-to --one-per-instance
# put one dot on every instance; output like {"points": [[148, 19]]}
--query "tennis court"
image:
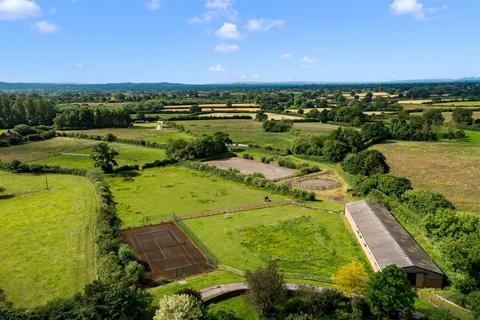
{"points": [[165, 251]]}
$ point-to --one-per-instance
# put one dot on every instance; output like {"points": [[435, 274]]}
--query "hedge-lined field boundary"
{"points": [[144, 143], [250, 180]]}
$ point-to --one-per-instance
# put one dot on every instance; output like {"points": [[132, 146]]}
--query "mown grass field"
{"points": [[302, 240], [240, 306], [46, 247], [158, 193], [251, 131], [451, 168], [144, 131], [75, 153]]}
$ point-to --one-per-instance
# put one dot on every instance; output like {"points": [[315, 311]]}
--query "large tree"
{"points": [[267, 289], [104, 157], [388, 292]]}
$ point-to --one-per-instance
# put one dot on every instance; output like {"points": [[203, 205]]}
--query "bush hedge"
{"points": [[254, 181]]}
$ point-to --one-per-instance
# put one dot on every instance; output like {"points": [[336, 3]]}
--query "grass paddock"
{"points": [[46, 247]]}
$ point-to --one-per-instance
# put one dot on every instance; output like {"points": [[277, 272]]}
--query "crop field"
{"points": [[75, 153], [226, 114], [156, 194], [46, 247], [246, 166], [275, 116], [415, 101], [302, 240], [451, 168]]}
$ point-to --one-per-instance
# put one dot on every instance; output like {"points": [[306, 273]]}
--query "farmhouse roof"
{"points": [[386, 238]]}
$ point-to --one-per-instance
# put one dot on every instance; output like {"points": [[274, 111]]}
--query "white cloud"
{"points": [[408, 7], [46, 27], [217, 9], [226, 48], [263, 24], [79, 65], [18, 9], [307, 62], [286, 55], [228, 31], [435, 10], [153, 5], [217, 68]]}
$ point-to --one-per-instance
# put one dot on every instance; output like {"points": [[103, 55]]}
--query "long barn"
{"points": [[386, 242]]}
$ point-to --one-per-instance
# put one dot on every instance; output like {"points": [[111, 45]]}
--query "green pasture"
{"points": [[127, 154], [156, 194], [46, 247], [75, 153], [140, 131], [302, 240], [240, 306], [251, 131]]}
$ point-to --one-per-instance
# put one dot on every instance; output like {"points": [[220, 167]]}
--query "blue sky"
{"points": [[212, 41]]}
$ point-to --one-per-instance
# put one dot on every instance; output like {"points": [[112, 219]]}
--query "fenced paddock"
{"points": [[166, 251]]}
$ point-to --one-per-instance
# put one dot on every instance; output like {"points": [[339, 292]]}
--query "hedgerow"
{"points": [[145, 143], [254, 181]]}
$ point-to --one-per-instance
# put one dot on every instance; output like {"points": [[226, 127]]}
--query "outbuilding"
{"points": [[386, 242]]}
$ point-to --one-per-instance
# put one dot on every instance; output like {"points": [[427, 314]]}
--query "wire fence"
{"points": [[211, 258], [287, 275], [208, 213]]}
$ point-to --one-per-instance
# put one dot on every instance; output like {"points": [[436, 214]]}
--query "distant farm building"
{"points": [[386, 242]]}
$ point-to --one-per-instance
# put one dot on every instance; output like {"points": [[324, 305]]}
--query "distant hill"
{"points": [[166, 86]]}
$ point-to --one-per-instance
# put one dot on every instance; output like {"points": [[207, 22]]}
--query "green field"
{"points": [[301, 240], [451, 168], [240, 306], [158, 193], [46, 247], [251, 131], [457, 104], [142, 131], [75, 153]]}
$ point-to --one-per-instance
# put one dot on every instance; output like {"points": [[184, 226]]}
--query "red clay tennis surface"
{"points": [[165, 251]]}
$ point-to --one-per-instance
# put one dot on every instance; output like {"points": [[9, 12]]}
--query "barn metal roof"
{"points": [[388, 241]]}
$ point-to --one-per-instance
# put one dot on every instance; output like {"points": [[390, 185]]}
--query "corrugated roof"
{"points": [[388, 241]]}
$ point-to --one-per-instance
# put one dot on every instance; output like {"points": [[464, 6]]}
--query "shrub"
{"points": [[367, 162], [425, 202], [217, 312], [334, 150], [247, 156], [375, 132], [287, 163], [389, 185], [277, 125], [25, 129], [178, 307], [350, 137], [199, 148], [309, 145]]}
